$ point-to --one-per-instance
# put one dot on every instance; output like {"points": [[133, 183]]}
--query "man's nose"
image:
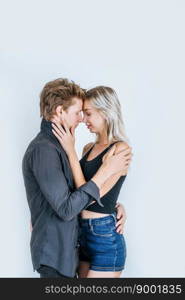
{"points": [[80, 119], [84, 119]]}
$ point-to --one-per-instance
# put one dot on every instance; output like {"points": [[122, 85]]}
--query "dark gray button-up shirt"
{"points": [[54, 203]]}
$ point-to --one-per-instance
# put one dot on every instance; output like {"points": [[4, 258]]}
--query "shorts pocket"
{"points": [[105, 230]]}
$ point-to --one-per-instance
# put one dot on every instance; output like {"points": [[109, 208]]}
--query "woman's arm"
{"points": [[78, 174], [68, 142], [76, 169]]}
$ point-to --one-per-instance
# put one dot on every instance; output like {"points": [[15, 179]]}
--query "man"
{"points": [[53, 200]]}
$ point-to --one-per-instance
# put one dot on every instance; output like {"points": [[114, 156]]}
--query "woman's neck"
{"points": [[102, 138]]}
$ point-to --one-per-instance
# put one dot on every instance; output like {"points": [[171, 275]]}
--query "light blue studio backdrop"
{"points": [[136, 47]]}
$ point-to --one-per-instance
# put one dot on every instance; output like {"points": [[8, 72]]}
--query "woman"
{"points": [[102, 249]]}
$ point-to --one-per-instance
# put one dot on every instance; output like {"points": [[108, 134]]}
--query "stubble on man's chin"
{"points": [[70, 128]]}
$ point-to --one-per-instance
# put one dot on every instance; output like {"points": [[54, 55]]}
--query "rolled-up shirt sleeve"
{"points": [[46, 165]]}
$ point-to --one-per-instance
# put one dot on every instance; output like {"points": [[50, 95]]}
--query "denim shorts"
{"points": [[101, 245]]}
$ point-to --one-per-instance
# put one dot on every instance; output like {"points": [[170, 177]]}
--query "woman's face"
{"points": [[93, 119]]}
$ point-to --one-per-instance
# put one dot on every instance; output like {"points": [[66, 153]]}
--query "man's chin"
{"points": [[74, 126]]}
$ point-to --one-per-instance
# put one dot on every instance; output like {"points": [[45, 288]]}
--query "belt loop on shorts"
{"points": [[90, 223], [114, 216]]}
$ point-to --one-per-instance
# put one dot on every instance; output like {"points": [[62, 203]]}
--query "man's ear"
{"points": [[59, 110]]}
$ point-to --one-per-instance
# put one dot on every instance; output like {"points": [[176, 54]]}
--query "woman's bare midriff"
{"points": [[87, 214]]}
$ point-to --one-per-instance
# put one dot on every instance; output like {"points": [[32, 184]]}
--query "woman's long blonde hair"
{"points": [[106, 101]]}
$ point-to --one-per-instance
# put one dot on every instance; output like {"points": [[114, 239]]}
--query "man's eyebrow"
{"points": [[87, 109]]}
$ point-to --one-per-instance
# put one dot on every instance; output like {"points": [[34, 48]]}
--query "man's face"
{"points": [[73, 115]]}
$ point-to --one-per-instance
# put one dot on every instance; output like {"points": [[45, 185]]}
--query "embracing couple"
{"points": [[77, 224]]}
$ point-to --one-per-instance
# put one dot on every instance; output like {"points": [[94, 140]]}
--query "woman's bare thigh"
{"points": [[95, 274]]}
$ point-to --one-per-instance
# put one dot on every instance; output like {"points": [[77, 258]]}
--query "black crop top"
{"points": [[89, 168]]}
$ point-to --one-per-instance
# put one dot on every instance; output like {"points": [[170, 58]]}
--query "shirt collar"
{"points": [[46, 127]]}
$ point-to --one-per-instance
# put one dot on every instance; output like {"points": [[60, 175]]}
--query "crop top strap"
{"points": [[87, 153]]}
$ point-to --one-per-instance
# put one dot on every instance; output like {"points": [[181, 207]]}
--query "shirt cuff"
{"points": [[92, 189]]}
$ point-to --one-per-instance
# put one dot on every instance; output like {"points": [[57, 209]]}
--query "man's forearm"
{"points": [[47, 169]]}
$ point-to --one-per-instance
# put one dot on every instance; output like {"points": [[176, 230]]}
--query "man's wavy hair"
{"points": [[58, 92]]}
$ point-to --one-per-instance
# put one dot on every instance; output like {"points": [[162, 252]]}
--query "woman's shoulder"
{"points": [[121, 146], [87, 147]]}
